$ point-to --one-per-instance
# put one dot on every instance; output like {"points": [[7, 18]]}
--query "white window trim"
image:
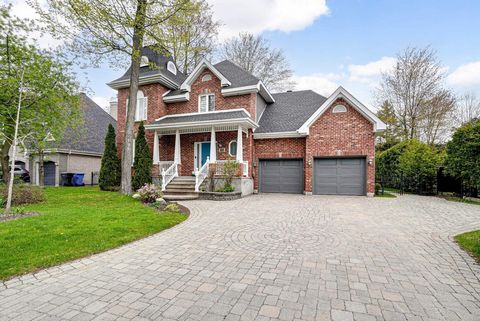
{"points": [[145, 115], [200, 99], [339, 109], [229, 149]]}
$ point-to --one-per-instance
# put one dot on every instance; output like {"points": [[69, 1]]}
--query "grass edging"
{"points": [[76, 223], [470, 243]]}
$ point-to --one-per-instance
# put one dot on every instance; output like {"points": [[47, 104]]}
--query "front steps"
{"points": [[181, 188]]}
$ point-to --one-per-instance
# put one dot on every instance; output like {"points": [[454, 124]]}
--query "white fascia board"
{"points": [[198, 69], [245, 121], [274, 135], [143, 80], [177, 98], [77, 152], [257, 88], [343, 93], [210, 112]]}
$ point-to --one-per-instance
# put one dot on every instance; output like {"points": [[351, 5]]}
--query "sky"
{"points": [[339, 42]]}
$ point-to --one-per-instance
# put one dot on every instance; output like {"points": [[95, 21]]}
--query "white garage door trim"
{"points": [[353, 184]]}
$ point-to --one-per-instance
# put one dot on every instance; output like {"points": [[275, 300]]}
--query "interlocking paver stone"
{"points": [[273, 257]]}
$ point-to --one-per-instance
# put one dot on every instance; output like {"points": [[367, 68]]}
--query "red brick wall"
{"points": [[350, 133], [277, 148], [221, 103]]}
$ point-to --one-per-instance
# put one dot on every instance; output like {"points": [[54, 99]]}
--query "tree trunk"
{"points": [[5, 161], [41, 169], [127, 150]]}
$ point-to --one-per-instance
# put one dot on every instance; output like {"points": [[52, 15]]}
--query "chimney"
{"points": [[113, 107]]}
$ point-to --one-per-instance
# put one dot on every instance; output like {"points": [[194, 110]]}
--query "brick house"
{"points": [[291, 142]]}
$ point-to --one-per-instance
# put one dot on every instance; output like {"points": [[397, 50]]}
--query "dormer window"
{"points": [[144, 62], [171, 67], [206, 103]]}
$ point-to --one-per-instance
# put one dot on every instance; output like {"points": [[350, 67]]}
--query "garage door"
{"points": [[49, 172], [281, 176], [342, 176]]}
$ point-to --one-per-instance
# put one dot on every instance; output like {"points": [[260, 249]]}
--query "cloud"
{"points": [[370, 72], [103, 102], [256, 16], [467, 75], [324, 84]]}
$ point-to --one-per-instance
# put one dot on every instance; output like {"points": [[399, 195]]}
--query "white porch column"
{"points": [[239, 145], [213, 147], [177, 157], [156, 149]]}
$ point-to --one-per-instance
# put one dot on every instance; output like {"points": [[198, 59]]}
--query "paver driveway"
{"points": [[271, 257]]}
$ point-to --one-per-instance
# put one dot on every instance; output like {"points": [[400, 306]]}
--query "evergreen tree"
{"points": [[110, 172], [391, 135], [142, 165]]}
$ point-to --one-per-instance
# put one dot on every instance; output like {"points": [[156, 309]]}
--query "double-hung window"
{"points": [[206, 103]]}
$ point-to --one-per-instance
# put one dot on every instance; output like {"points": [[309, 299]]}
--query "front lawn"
{"points": [[470, 242], [386, 195], [75, 222]]}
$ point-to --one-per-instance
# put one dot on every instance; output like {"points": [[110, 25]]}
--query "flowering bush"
{"points": [[149, 193]]}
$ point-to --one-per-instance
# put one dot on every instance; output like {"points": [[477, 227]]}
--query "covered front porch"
{"points": [[185, 148]]}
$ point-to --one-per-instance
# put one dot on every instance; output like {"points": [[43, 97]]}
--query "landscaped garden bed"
{"points": [[75, 223], [220, 196]]}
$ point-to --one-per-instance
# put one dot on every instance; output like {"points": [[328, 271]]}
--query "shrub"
{"points": [[142, 166], [378, 187], [18, 210], [149, 193], [409, 165], [110, 171], [172, 207], [226, 189], [462, 159], [23, 194]]}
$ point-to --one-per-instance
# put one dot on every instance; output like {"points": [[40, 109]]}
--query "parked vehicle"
{"points": [[22, 173]]}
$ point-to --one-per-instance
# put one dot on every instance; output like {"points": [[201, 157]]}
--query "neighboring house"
{"points": [[80, 149], [291, 142]]}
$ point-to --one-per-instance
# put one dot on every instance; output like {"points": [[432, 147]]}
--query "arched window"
{"points": [[142, 107], [171, 67], [232, 148], [207, 77], [144, 61], [339, 109]]}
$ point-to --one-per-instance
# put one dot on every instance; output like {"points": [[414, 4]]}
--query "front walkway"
{"points": [[273, 257]]}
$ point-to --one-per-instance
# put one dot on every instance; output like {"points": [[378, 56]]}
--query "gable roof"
{"points": [[90, 137], [147, 73], [237, 76], [341, 92], [290, 111]]}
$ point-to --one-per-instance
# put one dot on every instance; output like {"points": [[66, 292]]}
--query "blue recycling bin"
{"points": [[78, 179]]}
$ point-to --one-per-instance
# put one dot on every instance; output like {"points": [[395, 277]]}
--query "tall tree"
{"points": [[113, 30], [110, 172], [436, 123], [190, 35], [255, 55], [142, 166], [468, 109], [391, 135], [49, 91], [415, 89]]}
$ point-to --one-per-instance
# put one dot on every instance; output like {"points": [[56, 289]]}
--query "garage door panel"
{"points": [[281, 176], [345, 177]]}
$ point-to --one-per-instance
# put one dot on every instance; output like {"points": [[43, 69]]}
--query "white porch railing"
{"points": [[164, 165], [169, 174], [220, 163], [201, 174]]}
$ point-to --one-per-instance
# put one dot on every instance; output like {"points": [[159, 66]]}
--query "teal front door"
{"points": [[205, 152], [202, 151]]}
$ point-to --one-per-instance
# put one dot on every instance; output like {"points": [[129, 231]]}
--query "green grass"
{"points": [[470, 242], [75, 222], [386, 195], [460, 200]]}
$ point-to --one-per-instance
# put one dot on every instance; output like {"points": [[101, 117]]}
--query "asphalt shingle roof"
{"points": [[90, 137], [234, 114], [290, 111], [160, 62]]}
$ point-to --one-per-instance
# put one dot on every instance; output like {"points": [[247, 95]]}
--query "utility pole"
{"points": [[14, 151]]}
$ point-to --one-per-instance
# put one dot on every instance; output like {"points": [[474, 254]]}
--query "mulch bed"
{"points": [[11, 217]]}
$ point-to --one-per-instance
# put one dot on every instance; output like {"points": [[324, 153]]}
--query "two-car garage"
{"points": [[331, 176]]}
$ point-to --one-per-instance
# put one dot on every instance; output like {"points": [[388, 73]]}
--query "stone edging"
{"points": [[219, 196]]}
